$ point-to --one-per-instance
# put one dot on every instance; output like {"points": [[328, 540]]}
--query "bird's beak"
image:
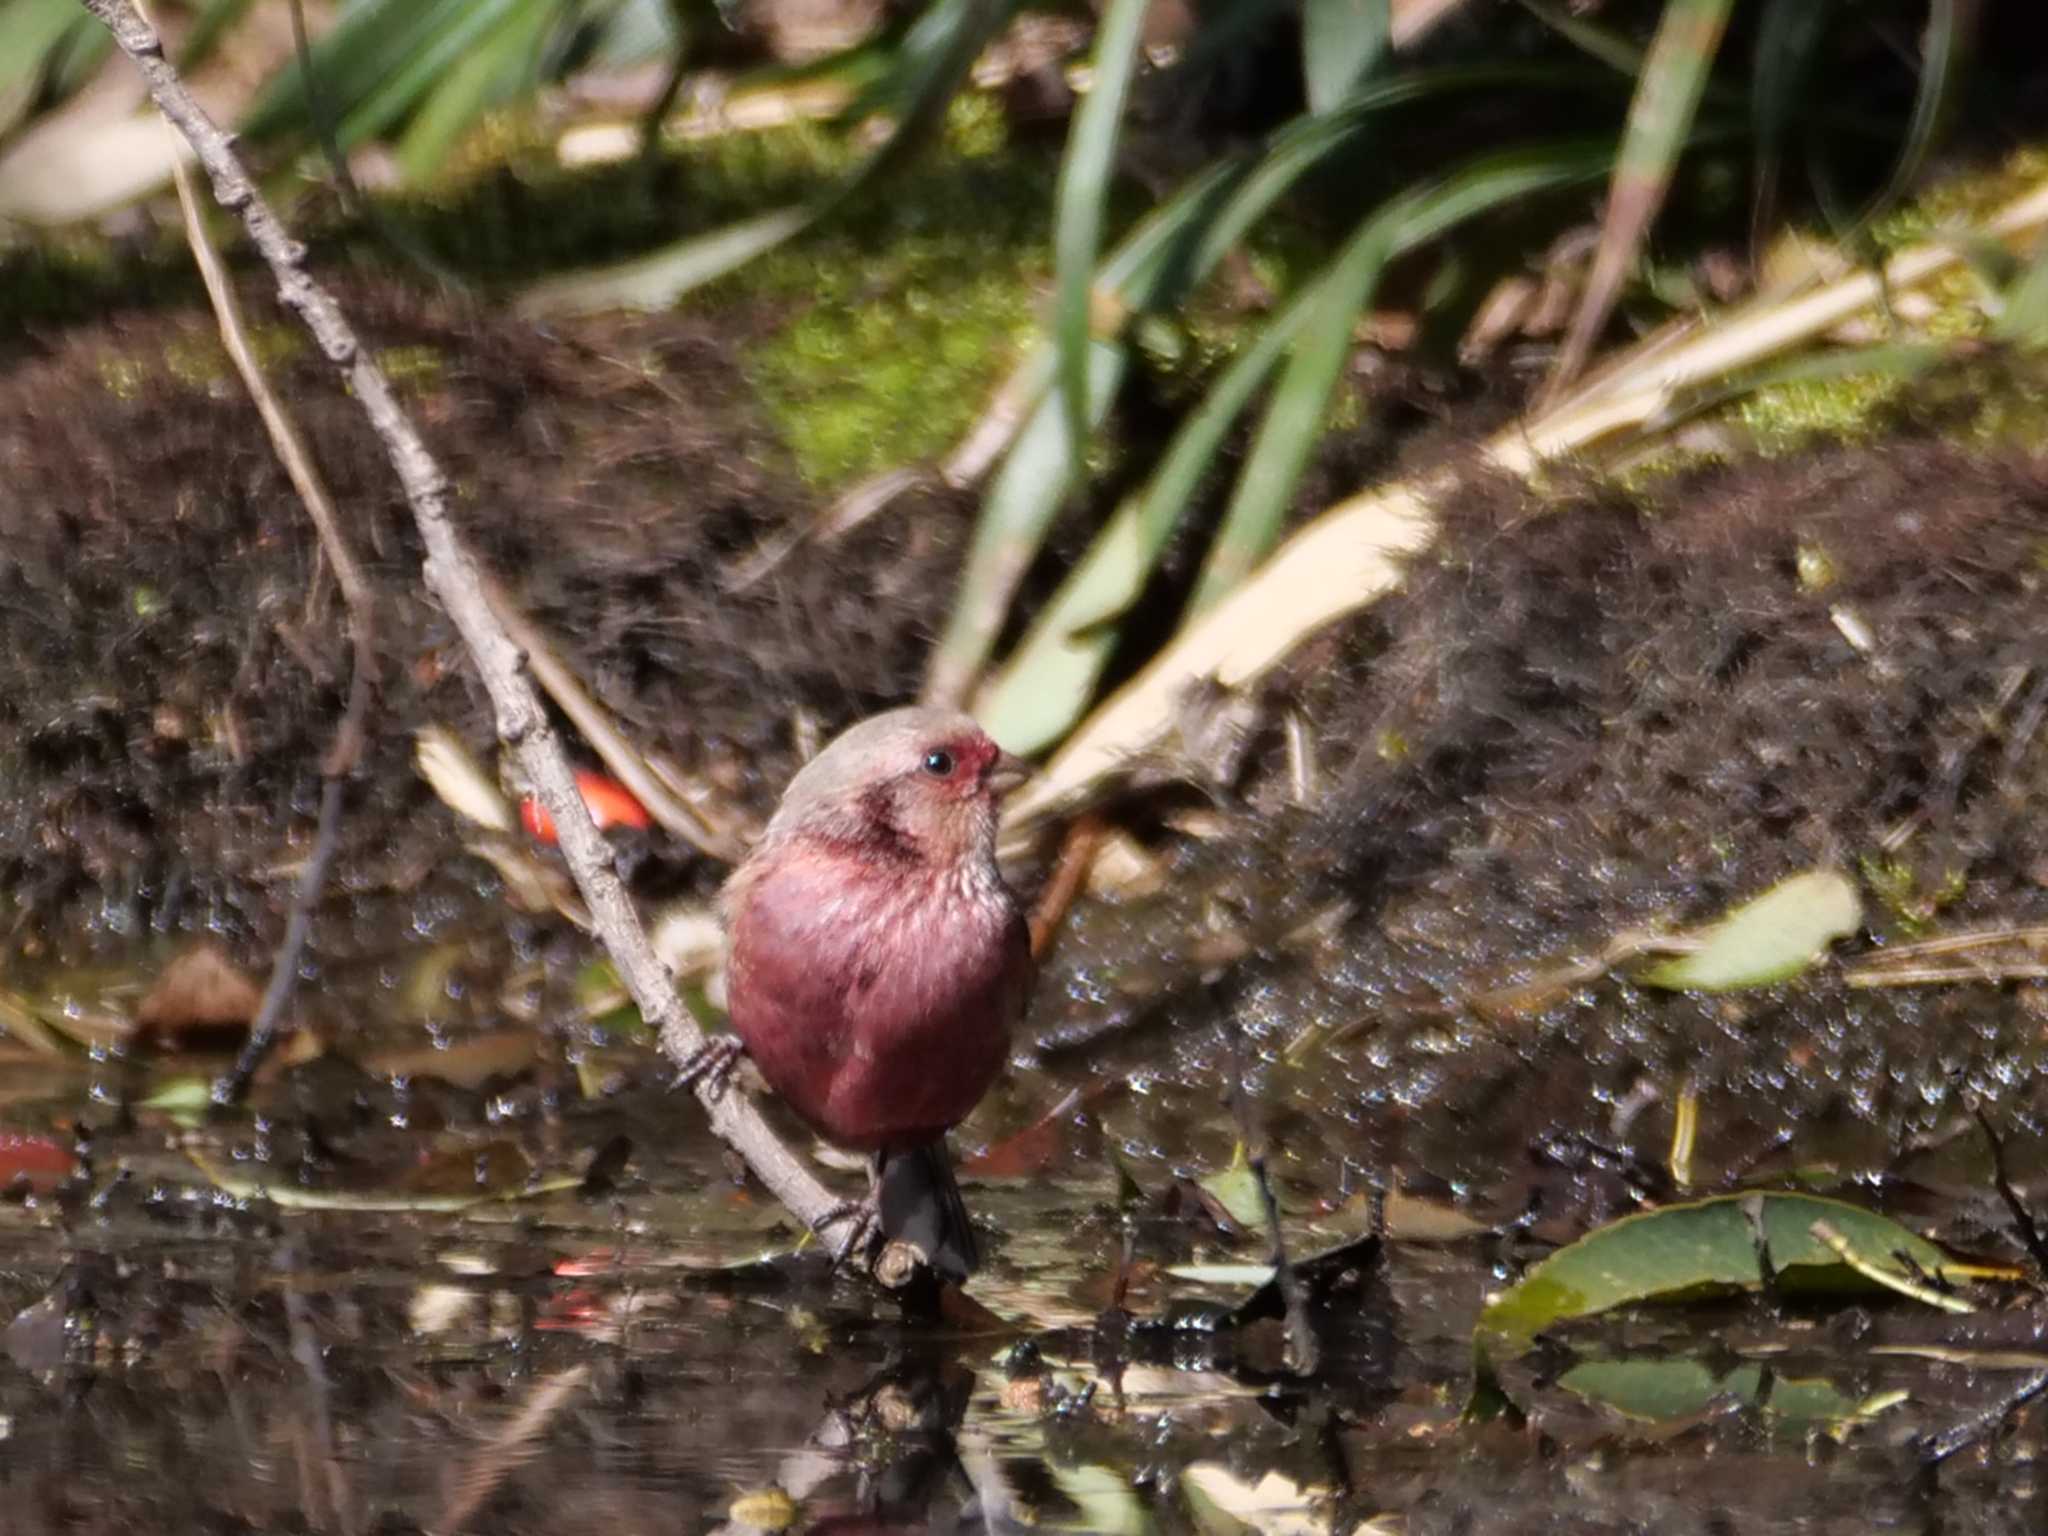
{"points": [[1008, 772]]}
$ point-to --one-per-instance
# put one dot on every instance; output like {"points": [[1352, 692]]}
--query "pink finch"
{"points": [[877, 962]]}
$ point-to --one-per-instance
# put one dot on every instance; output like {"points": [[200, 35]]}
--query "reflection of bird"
{"points": [[877, 961]]}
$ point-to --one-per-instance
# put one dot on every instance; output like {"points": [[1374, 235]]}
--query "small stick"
{"points": [[1303, 1352], [591, 718], [2022, 1219], [346, 753], [1077, 853], [1826, 1234], [1935, 1451]]}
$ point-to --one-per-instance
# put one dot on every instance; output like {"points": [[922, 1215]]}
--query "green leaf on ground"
{"points": [[1681, 1252], [1670, 1390]]}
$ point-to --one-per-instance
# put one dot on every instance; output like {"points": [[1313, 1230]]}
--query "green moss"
{"points": [[1781, 417], [1911, 903], [900, 319], [417, 369], [2005, 405]]}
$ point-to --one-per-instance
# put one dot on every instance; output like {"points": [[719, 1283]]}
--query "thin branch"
{"points": [[1982, 1426], [510, 1448], [675, 814], [1303, 1352], [346, 753], [2022, 1219], [452, 576], [284, 970]]}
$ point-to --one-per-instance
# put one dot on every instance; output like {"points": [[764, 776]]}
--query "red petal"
{"points": [[609, 802], [535, 818], [37, 1160]]}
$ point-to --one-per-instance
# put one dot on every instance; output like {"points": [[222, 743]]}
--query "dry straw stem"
{"points": [[1352, 554], [1991, 955], [454, 579], [347, 751], [675, 815]]}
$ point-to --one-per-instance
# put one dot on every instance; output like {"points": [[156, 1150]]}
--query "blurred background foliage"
{"points": [[1139, 266]]}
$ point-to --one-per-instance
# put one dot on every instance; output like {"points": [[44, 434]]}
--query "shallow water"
{"points": [[182, 1359]]}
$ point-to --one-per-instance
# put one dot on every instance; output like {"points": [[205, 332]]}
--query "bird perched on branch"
{"points": [[877, 962]]}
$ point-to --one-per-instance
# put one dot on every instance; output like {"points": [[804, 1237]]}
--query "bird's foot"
{"points": [[863, 1221], [712, 1063]]}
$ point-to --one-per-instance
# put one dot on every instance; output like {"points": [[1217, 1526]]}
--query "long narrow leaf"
{"points": [[1293, 422], [956, 31], [1787, 40], [2024, 320], [214, 23], [1086, 175], [1048, 682], [1341, 41], [1346, 558], [1043, 688], [496, 67], [39, 34], [658, 279], [1592, 39], [372, 45], [1950, 41], [1172, 249], [1659, 122]]}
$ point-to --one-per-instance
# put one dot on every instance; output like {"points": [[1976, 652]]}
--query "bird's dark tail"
{"points": [[920, 1204]]}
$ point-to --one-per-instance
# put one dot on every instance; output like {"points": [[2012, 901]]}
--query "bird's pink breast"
{"points": [[876, 999]]}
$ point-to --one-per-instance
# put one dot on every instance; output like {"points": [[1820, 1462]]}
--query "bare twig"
{"points": [[1303, 1352], [675, 814], [1938, 1448], [346, 753], [509, 1448], [1069, 873], [2022, 1219], [284, 970], [306, 1352], [452, 575], [1957, 957]]}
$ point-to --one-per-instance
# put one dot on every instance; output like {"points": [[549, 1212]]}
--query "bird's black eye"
{"points": [[938, 762]]}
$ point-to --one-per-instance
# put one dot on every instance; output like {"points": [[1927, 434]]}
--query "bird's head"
{"points": [[912, 784]]}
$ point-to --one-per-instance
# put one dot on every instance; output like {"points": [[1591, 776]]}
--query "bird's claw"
{"points": [[712, 1063], [863, 1220]]}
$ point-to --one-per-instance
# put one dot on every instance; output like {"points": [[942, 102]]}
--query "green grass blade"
{"points": [[47, 42], [1788, 38], [1082, 202], [373, 67], [954, 33], [1294, 418], [1011, 528], [660, 277], [1899, 360], [2024, 320], [1341, 42], [1178, 244], [1660, 120], [214, 23], [498, 66], [1944, 70], [1592, 39], [1171, 250], [1048, 682]]}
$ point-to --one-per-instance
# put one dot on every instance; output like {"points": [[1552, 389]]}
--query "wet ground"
{"points": [[464, 1263]]}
